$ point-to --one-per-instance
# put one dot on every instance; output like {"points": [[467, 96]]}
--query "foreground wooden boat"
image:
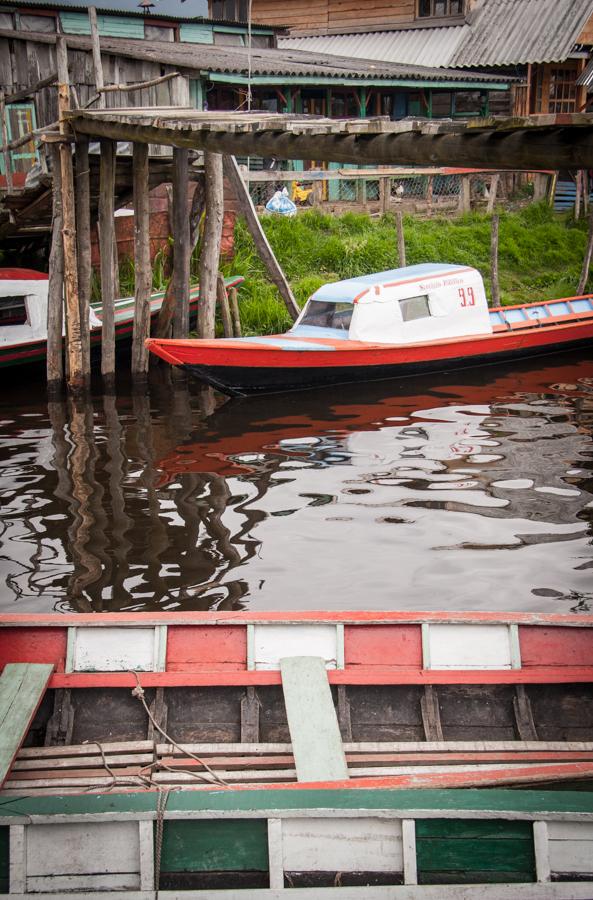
{"points": [[409, 321], [390, 699], [23, 315], [205, 752]]}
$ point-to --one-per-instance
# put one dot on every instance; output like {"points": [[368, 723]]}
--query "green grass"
{"points": [[540, 255]]}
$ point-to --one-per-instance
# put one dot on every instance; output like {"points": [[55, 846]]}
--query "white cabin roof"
{"points": [[352, 288]]}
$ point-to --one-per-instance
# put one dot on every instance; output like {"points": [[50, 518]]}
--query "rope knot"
{"points": [[138, 691]]}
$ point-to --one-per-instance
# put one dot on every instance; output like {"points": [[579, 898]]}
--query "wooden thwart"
{"points": [[21, 688], [312, 721]]}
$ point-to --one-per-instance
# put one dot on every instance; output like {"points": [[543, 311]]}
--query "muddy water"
{"points": [[469, 491]]}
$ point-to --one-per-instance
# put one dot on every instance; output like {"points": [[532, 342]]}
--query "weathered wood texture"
{"points": [[334, 16], [231, 845], [342, 845], [181, 243], [210, 253], [142, 267], [495, 287], [4, 137], [587, 259], [223, 303], [83, 247], [261, 242], [21, 688], [97, 64], [314, 730], [55, 300], [106, 230]]}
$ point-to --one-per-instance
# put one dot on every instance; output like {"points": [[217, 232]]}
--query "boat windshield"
{"points": [[327, 315]]}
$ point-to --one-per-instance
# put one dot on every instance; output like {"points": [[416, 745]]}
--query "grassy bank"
{"points": [[540, 256]]}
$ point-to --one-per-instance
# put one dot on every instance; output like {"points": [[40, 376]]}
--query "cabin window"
{"points": [[231, 10], [327, 315], [439, 9], [414, 308], [13, 311]]}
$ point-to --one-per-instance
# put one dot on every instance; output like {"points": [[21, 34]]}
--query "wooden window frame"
{"points": [[439, 16]]}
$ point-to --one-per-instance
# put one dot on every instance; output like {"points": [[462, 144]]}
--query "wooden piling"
{"points": [[142, 267], [223, 302], [76, 377], [181, 242], [493, 191], [465, 194], [587, 260], [106, 238], [5, 151], [83, 246], [97, 64], [235, 314], [210, 254], [494, 261], [55, 300], [264, 249], [401, 240]]}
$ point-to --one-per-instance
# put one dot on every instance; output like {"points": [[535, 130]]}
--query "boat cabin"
{"points": [[410, 305], [23, 306]]}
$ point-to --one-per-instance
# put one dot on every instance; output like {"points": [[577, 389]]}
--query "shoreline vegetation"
{"points": [[540, 255]]}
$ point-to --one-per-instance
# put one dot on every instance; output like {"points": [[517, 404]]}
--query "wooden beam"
{"points": [[401, 238], [210, 255], [261, 242], [83, 247], [312, 721], [181, 242], [106, 239], [142, 267], [21, 688], [587, 259], [494, 261], [5, 152], [96, 49], [55, 294], [27, 92], [74, 352], [223, 302]]}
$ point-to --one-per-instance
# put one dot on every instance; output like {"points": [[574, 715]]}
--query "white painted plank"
{"points": [[542, 851], [17, 858], [67, 857], [114, 649], [468, 647], [342, 845], [271, 642], [408, 827], [571, 846], [146, 842], [312, 721], [275, 853]]}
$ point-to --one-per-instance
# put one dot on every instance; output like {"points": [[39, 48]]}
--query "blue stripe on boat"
{"points": [[278, 343], [583, 305]]}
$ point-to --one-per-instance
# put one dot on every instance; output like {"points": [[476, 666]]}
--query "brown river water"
{"points": [[460, 491]]}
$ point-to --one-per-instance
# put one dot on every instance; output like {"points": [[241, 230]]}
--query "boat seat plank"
{"points": [[312, 721], [22, 685]]}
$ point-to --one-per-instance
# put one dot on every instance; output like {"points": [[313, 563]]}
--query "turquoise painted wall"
{"points": [[110, 26]]}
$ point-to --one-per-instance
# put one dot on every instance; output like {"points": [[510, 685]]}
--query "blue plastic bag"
{"points": [[281, 203]]}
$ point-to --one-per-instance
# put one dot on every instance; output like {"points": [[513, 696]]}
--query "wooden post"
{"points": [[493, 190], [494, 261], [429, 193], [465, 194], [105, 228], [223, 302], [235, 314], [540, 186], [55, 300], [261, 242], [585, 192], [97, 64], [401, 241], [587, 260], [142, 268], [384, 195], [76, 375], [210, 243], [83, 245], [577, 198], [181, 242], [5, 151]]}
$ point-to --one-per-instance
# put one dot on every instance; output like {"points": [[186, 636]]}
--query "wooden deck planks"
{"points": [[21, 688], [312, 721]]}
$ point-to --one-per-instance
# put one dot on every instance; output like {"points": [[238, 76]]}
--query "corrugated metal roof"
{"points": [[513, 32], [411, 46], [586, 76]]}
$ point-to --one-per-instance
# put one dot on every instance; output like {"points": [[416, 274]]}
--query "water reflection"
{"points": [[473, 493]]}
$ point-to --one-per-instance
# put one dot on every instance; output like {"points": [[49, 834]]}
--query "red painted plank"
{"points": [[383, 645], [556, 646], [354, 675], [203, 647], [34, 645], [243, 618]]}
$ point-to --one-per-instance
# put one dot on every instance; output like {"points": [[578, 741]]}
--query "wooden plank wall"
{"points": [[586, 36], [334, 15]]}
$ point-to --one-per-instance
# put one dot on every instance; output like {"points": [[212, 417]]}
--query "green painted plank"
{"points": [[4, 867], [21, 688], [196, 33], [496, 847], [527, 802], [312, 721], [221, 845]]}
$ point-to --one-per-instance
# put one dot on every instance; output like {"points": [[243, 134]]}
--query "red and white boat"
{"points": [[366, 699], [419, 319]]}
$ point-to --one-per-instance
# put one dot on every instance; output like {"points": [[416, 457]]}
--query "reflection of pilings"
{"points": [[87, 531], [121, 522]]}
